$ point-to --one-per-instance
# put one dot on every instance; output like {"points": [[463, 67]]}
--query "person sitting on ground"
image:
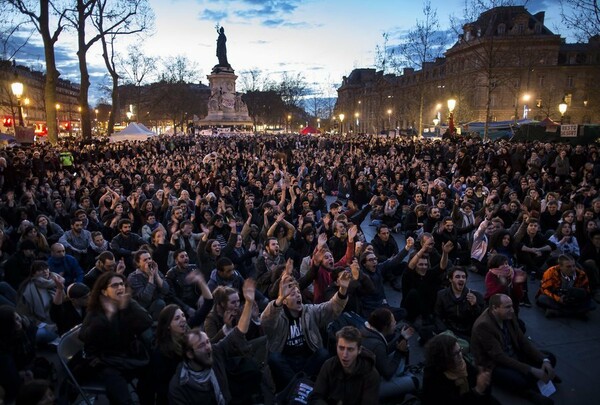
{"points": [[458, 306], [148, 285], [292, 329], [565, 290], [112, 327], [104, 262], [502, 278], [35, 299], [69, 307], [449, 380], [350, 377], [201, 377], [390, 347], [64, 265], [183, 292], [498, 344]]}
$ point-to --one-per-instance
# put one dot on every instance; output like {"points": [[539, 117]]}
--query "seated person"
{"points": [[534, 249], [68, 310], [201, 377], [183, 291], [391, 353], [503, 279], [449, 380], [225, 314], [498, 344], [148, 286], [292, 328], [565, 290], [457, 306], [350, 377]]}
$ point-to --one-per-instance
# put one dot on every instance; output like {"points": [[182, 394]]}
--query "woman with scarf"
{"points": [[35, 299], [449, 380], [503, 279]]}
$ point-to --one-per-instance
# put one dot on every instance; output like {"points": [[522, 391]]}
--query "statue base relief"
{"points": [[225, 106]]}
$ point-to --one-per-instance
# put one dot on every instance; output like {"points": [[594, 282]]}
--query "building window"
{"points": [[568, 99], [541, 80], [538, 28], [520, 28], [501, 29], [569, 81]]}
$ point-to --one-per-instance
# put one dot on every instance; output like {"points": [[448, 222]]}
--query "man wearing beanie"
{"points": [[69, 307]]}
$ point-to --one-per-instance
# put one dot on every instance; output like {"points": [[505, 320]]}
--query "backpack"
{"points": [[345, 319]]}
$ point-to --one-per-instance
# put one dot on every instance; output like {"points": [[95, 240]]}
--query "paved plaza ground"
{"points": [[576, 344]]}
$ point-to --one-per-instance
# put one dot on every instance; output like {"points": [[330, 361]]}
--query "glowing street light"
{"points": [[562, 108], [389, 112], [17, 90], [342, 116]]}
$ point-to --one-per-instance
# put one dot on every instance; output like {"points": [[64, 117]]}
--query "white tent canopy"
{"points": [[133, 132]]}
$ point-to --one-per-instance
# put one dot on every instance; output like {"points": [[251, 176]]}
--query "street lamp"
{"points": [[57, 118], [17, 90], [436, 121], [356, 115], [562, 107], [389, 112], [289, 122], [342, 116], [451, 106], [319, 123]]}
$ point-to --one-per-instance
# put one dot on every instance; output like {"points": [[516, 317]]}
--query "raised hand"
{"points": [[447, 247], [407, 332], [410, 242], [352, 232], [249, 289], [343, 280], [322, 240], [355, 269]]}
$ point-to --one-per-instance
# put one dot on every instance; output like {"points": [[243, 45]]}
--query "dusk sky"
{"points": [[322, 39]]}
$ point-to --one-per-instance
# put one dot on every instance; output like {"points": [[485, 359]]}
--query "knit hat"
{"points": [[77, 290]]}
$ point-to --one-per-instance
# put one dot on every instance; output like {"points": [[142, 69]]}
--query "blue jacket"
{"points": [[68, 267]]}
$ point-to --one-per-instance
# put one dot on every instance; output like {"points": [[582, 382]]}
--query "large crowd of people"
{"points": [[235, 269]]}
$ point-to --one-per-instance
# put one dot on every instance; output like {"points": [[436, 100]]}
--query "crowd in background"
{"points": [[205, 252]]}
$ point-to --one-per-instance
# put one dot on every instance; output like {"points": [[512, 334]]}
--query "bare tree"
{"points": [[39, 16], [11, 25], [123, 18], [292, 89], [423, 43], [581, 16], [108, 21]]}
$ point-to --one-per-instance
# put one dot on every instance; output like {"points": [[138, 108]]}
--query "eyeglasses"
{"points": [[117, 285]]}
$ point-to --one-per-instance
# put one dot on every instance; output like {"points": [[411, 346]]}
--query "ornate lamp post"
{"points": [[436, 121], [356, 115], [562, 107], [451, 106], [342, 116], [289, 121], [389, 113], [17, 90], [57, 118]]}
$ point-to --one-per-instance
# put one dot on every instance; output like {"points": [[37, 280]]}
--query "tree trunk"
{"points": [[487, 111], [115, 103], [86, 125], [421, 107], [51, 74]]}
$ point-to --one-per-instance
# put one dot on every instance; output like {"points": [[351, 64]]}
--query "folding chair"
{"points": [[68, 347]]}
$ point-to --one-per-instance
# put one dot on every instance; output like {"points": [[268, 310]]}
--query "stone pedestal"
{"points": [[225, 106]]}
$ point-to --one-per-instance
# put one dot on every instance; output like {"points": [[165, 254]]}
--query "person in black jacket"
{"points": [[351, 376], [391, 353], [110, 333], [69, 312], [457, 306], [449, 380]]}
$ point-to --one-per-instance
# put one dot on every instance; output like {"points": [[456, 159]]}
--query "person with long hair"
{"points": [[565, 241], [449, 380], [111, 333], [166, 355]]}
